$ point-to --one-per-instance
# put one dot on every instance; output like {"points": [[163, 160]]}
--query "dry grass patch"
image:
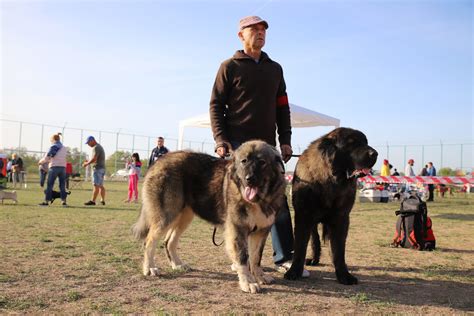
{"points": [[84, 260]]}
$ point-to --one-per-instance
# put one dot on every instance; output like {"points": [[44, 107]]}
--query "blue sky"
{"points": [[400, 71]]}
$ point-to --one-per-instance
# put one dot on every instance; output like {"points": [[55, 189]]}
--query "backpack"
{"points": [[413, 228]]}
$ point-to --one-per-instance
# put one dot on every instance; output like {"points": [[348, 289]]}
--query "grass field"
{"points": [[84, 260]]}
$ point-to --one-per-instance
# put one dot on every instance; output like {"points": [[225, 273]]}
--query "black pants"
{"points": [[431, 192]]}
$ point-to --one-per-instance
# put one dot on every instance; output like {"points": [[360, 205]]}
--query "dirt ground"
{"points": [[83, 260]]}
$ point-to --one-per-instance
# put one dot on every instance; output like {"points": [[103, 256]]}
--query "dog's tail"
{"points": [[141, 228]]}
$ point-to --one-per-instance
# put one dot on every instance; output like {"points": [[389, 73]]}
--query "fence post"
{"points": [[19, 140], [80, 153], [422, 155], [42, 134], [116, 150], [441, 164], [148, 151], [133, 143], [405, 154]]}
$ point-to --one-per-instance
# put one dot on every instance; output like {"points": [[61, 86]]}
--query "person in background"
{"points": [[68, 173], [56, 157], [424, 171], [249, 101], [17, 168], [43, 172], [395, 172], [134, 167], [158, 151], [385, 170], [431, 172], [98, 163], [409, 168], [9, 171]]}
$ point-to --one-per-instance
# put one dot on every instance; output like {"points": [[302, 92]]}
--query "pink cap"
{"points": [[251, 20]]}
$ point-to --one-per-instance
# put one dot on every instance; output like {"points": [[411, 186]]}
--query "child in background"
{"points": [[134, 168]]}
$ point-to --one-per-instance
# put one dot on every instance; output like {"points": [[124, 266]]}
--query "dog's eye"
{"points": [[262, 162], [243, 161]]}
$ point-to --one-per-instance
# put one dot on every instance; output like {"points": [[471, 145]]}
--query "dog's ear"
{"points": [[328, 147], [280, 164], [277, 159], [232, 170]]}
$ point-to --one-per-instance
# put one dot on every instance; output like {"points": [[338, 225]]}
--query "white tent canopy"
{"points": [[300, 117]]}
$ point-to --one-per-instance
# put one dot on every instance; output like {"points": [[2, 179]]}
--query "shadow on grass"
{"points": [[386, 289], [459, 217], [377, 290]]}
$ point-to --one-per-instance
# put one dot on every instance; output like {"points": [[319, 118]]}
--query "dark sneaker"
{"points": [[89, 203], [102, 202], [44, 204]]}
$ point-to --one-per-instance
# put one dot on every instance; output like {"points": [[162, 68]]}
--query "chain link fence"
{"points": [[32, 140]]}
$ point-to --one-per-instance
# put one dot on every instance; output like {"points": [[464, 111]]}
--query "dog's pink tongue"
{"points": [[250, 193]]}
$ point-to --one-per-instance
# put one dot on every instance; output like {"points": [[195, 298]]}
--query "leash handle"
{"points": [[214, 238]]}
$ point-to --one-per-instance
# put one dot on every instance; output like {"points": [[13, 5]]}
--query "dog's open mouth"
{"points": [[250, 193], [359, 173]]}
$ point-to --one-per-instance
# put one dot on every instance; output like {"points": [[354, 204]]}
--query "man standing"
{"points": [[98, 164], [409, 172], [158, 151], [431, 172], [249, 101]]}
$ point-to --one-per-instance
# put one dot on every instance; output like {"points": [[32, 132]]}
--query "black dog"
{"points": [[57, 195], [324, 190]]}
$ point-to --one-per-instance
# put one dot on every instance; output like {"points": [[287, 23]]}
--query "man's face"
{"points": [[253, 36], [160, 142]]}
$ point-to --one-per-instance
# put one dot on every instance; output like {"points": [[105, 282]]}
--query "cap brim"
{"points": [[261, 22]]}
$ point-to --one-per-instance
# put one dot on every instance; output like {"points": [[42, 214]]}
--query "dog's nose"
{"points": [[373, 153], [250, 179]]}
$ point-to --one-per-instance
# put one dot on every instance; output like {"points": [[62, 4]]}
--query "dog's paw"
{"points": [[312, 262], [292, 274], [346, 278], [249, 287], [182, 267], [151, 271], [264, 279]]}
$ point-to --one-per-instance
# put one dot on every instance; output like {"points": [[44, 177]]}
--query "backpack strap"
{"points": [[397, 238]]}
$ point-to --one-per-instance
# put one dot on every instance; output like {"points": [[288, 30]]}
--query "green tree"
{"points": [[116, 161], [76, 158], [446, 171]]}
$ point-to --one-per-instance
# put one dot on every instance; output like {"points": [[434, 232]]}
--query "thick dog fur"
{"points": [[324, 189], [242, 195], [5, 195]]}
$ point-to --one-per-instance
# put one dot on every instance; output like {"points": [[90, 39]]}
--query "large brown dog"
{"points": [[324, 189], [242, 195]]}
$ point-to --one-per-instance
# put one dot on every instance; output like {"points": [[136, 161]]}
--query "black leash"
{"points": [[214, 238]]}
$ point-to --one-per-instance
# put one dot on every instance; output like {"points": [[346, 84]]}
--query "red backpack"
{"points": [[413, 228]]}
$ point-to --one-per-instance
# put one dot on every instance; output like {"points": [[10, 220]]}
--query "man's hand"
{"points": [[85, 163], [221, 151], [286, 152], [224, 150]]}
